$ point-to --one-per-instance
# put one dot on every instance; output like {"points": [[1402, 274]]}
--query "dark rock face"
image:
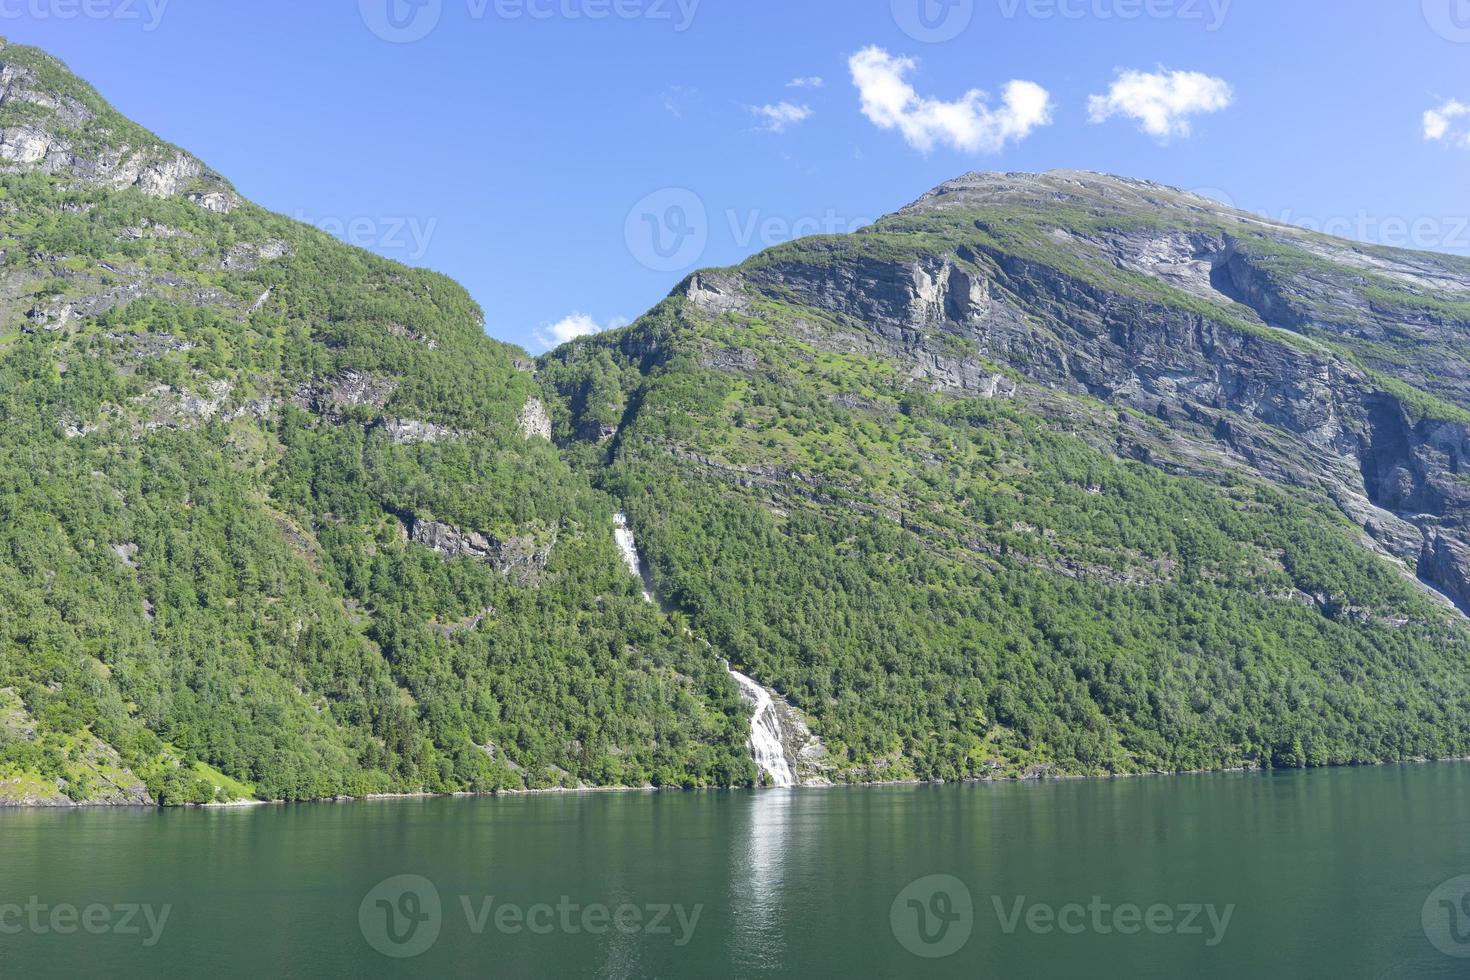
{"points": [[521, 557], [1445, 562], [353, 389], [808, 757], [1234, 347]]}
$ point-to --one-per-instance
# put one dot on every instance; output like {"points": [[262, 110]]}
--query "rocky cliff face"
{"points": [[960, 381], [60, 126], [1262, 343]]}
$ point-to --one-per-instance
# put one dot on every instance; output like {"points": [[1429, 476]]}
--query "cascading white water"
{"points": [[765, 733], [765, 724], [629, 548]]}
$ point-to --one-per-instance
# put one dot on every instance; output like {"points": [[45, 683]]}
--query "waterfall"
{"points": [[629, 548], [765, 724], [765, 733]]}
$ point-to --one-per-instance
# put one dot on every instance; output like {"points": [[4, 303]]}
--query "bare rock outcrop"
{"points": [[521, 557], [534, 422]]}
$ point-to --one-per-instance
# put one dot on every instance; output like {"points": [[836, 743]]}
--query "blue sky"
{"points": [[533, 149]]}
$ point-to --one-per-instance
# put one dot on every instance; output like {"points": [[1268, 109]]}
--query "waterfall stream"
{"points": [[765, 724], [629, 548], [765, 733]]}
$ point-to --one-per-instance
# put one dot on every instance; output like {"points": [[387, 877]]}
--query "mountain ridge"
{"points": [[1056, 473]]}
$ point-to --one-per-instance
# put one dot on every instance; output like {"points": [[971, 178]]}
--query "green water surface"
{"points": [[1329, 873]]}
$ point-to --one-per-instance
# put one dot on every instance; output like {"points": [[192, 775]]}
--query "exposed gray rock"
{"points": [[61, 135], [716, 292], [407, 432], [24, 145], [534, 422], [521, 557], [220, 202], [248, 256], [350, 389], [16, 86], [167, 407], [149, 346], [805, 752], [737, 360], [409, 333]]}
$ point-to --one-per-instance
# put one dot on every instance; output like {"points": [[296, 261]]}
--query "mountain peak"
{"points": [[1092, 189]]}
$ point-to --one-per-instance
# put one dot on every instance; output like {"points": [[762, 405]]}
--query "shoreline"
{"points": [[599, 790]]}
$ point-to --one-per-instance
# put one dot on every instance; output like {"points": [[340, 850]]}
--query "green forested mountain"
{"points": [[1046, 473], [229, 449]]}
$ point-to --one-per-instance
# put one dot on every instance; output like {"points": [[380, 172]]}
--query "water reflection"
{"points": [[759, 857]]}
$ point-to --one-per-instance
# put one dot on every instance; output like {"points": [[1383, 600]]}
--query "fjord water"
{"points": [[1328, 873]]}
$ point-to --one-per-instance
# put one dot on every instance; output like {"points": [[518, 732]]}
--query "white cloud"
{"points": [[782, 116], [1161, 101], [1439, 124], [814, 81], [572, 326], [675, 98], [969, 123]]}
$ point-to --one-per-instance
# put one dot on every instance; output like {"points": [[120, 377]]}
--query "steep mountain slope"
{"points": [[277, 519], [1060, 471], [1044, 473]]}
